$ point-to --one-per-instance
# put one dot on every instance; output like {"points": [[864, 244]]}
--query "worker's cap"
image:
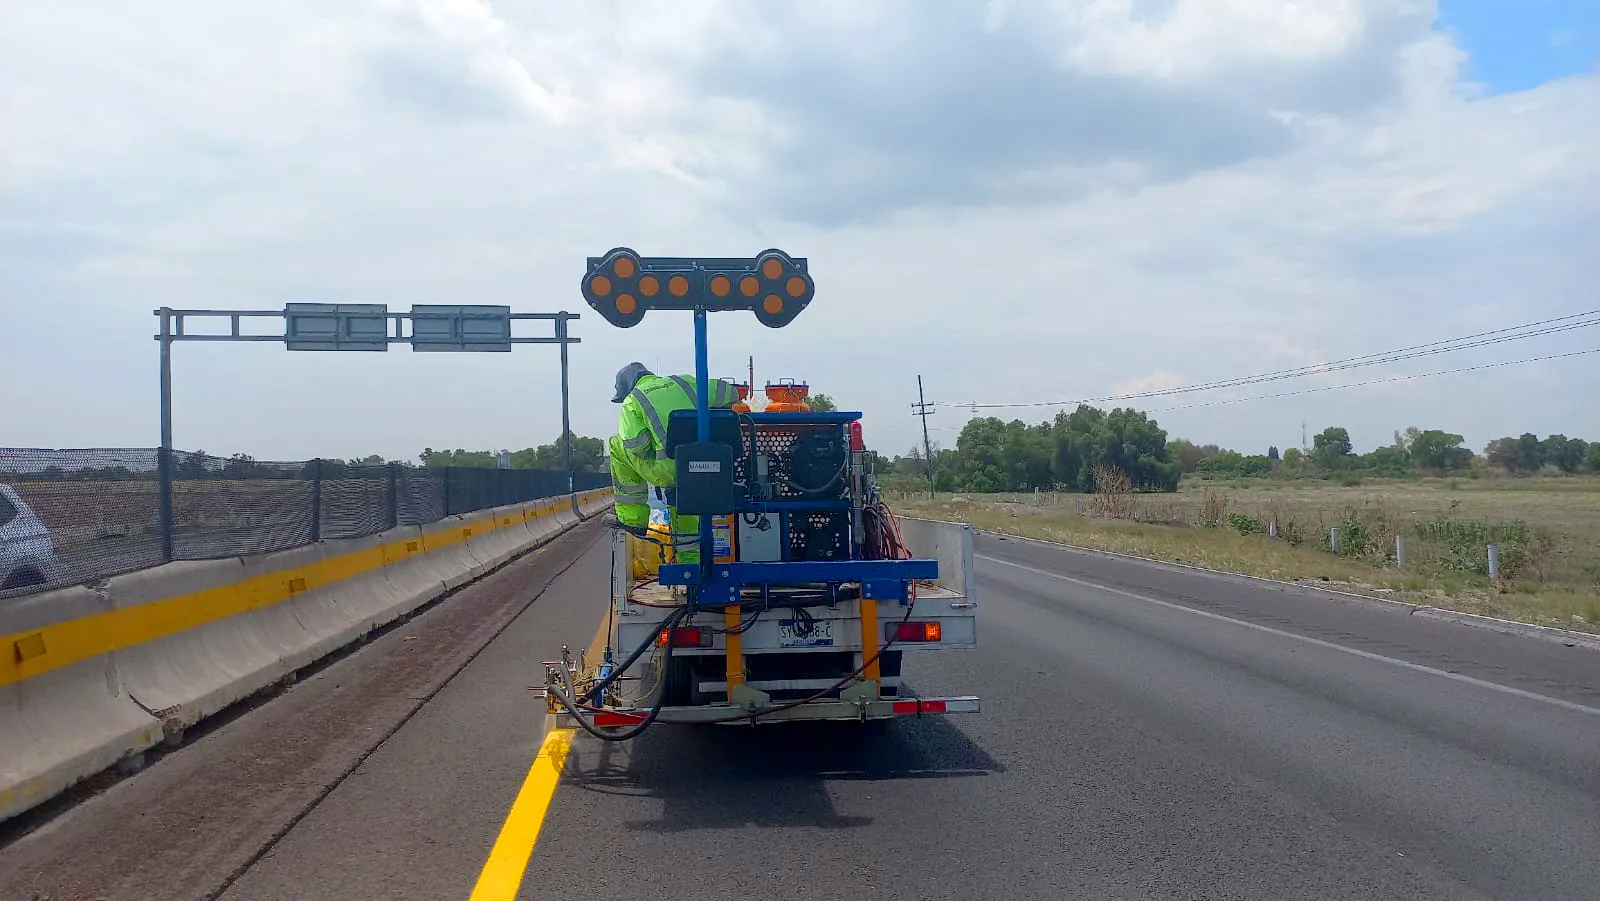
{"points": [[627, 377]]}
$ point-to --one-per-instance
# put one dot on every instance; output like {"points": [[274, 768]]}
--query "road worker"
{"points": [[638, 450]]}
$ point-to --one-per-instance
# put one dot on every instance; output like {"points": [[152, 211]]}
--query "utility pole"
{"points": [[924, 409]]}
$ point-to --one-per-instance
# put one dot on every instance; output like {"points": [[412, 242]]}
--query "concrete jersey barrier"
{"points": [[90, 678]]}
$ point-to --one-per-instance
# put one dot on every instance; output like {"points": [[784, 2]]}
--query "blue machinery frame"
{"points": [[622, 286]]}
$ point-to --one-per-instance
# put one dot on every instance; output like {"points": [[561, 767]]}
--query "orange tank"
{"points": [[787, 396]]}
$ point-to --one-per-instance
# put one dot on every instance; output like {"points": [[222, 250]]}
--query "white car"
{"points": [[27, 550]]}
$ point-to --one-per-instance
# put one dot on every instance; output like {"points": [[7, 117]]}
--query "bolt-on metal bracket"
{"points": [[748, 698], [862, 694]]}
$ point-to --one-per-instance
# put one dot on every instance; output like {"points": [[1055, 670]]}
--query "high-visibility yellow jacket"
{"points": [[638, 452], [642, 424]]}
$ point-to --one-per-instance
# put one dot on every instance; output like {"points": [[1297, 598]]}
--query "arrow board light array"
{"points": [[622, 286]]}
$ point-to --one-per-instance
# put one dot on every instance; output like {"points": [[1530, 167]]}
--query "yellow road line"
{"points": [[502, 873], [501, 877]]}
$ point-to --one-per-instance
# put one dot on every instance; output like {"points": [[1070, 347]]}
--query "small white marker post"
{"points": [[1494, 561], [1333, 539], [1400, 550]]}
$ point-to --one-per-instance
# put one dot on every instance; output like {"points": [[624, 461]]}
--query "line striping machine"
{"points": [[808, 589]]}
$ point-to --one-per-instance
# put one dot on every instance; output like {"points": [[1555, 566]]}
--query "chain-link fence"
{"points": [[76, 516]]}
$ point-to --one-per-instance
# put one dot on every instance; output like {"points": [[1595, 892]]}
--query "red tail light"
{"points": [[856, 443], [686, 637], [915, 631]]}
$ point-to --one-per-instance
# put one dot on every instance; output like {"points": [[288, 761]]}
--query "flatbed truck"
{"points": [[809, 591]]}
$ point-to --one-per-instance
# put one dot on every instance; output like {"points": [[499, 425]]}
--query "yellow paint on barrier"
{"points": [[501, 877], [28, 654]]}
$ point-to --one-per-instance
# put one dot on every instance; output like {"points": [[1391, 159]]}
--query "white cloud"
{"points": [[1020, 201], [1159, 380]]}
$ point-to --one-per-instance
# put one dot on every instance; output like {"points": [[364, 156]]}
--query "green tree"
{"points": [[1530, 453], [1565, 454], [1124, 439], [980, 456], [1405, 440], [1437, 450], [1233, 463], [240, 467], [1331, 447], [878, 463], [1189, 455], [1388, 460], [821, 403], [1502, 452], [1591, 460]]}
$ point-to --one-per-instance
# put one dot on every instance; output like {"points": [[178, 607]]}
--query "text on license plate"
{"points": [[817, 633]]}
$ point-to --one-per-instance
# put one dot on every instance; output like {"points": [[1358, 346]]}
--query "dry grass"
{"points": [[1548, 530]]}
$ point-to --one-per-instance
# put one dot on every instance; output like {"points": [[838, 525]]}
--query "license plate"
{"points": [[818, 633]]}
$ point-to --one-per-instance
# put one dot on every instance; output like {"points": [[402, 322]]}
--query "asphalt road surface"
{"points": [[1147, 733]]}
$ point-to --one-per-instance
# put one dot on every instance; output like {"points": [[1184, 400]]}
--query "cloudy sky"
{"points": [[1023, 202]]}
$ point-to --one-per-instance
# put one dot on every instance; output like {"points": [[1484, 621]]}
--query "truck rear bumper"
{"points": [[826, 710]]}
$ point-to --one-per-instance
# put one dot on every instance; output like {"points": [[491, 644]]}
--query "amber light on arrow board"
{"points": [[622, 286]]}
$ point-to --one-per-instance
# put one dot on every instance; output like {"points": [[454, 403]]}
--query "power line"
{"points": [[1480, 339], [1398, 378]]}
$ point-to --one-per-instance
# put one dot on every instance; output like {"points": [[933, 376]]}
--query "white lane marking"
{"points": [[1406, 664]]}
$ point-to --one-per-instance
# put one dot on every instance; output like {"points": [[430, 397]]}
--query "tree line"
{"points": [[1065, 454], [1414, 451], [588, 455]]}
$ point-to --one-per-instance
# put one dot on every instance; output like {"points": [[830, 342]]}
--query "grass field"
{"points": [[1547, 530]]}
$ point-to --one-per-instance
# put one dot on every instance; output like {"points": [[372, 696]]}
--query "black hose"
{"points": [[737, 717], [670, 622], [637, 730]]}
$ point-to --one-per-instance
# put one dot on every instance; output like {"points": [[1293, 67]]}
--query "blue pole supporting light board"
{"points": [[622, 287]]}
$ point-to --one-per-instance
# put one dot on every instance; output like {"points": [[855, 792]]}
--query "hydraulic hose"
{"points": [[669, 623], [634, 731], [752, 715]]}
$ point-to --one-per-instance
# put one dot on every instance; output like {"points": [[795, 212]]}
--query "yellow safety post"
{"points": [[869, 640], [734, 651]]}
